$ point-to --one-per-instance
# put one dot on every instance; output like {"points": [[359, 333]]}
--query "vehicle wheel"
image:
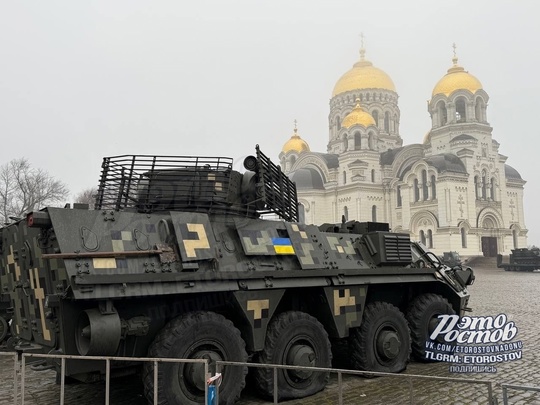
{"points": [[197, 335], [294, 338], [422, 316], [382, 342]]}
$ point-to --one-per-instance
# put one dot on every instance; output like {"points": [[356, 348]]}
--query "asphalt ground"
{"points": [[495, 292]]}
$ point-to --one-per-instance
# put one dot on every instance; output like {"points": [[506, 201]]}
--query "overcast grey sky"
{"points": [[80, 80]]}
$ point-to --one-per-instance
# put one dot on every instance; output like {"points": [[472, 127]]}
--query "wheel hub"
{"points": [[388, 344], [194, 372], [301, 355]]}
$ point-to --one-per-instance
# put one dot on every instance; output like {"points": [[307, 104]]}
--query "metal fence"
{"points": [[506, 387], [15, 370], [340, 372], [410, 378], [107, 360]]}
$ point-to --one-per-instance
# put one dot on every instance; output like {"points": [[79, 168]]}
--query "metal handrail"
{"points": [[107, 359], [505, 388], [340, 372]]}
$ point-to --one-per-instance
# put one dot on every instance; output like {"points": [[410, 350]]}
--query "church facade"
{"points": [[452, 192]]}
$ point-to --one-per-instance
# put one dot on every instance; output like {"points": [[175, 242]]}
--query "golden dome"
{"points": [[363, 75], [358, 116], [456, 79], [296, 143]]}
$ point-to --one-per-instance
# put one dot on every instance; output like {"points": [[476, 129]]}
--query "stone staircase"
{"points": [[481, 261]]}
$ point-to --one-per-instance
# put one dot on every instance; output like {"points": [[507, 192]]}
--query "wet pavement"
{"points": [[494, 292]]}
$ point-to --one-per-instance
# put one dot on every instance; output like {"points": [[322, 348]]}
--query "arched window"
{"points": [[344, 177], [433, 188], [443, 116], [429, 239], [338, 123], [461, 111], [476, 186], [346, 213], [422, 237], [424, 185], [375, 115], [478, 110], [416, 191], [374, 213], [387, 121], [493, 189], [373, 175], [357, 141], [463, 238], [398, 196], [484, 186]]}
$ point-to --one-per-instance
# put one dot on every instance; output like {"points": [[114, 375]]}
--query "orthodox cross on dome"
{"points": [[455, 58], [295, 129], [362, 49]]}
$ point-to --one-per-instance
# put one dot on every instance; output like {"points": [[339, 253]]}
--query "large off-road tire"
{"points": [[294, 338], [422, 316], [382, 342], [195, 335]]}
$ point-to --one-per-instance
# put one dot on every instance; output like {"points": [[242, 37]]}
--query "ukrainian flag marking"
{"points": [[283, 246]]}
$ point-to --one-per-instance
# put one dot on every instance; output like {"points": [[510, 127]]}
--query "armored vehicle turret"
{"points": [[177, 260]]}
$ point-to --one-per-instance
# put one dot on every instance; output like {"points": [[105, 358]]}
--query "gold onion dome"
{"points": [[456, 79], [363, 75], [358, 116], [296, 143]]}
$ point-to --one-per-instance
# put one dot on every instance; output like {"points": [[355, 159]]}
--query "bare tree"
{"points": [[87, 196], [24, 189]]}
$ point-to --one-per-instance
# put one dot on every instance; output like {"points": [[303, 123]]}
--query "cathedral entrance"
{"points": [[489, 246]]}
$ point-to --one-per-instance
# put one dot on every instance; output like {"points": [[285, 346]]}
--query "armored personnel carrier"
{"points": [[176, 260], [521, 259]]}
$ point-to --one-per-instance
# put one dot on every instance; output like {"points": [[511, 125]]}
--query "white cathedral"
{"points": [[453, 192]]}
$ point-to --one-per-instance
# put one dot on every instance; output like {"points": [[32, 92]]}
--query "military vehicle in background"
{"points": [[521, 259], [175, 261], [451, 259]]}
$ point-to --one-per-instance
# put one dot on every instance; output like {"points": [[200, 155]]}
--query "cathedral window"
{"points": [[461, 112], [416, 191], [373, 175], [429, 239], [478, 110], [484, 186], [424, 186], [463, 238], [493, 189], [346, 213], [422, 237], [374, 213], [398, 196], [443, 117], [344, 177], [387, 121], [476, 187], [357, 141], [375, 115], [338, 123], [433, 188]]}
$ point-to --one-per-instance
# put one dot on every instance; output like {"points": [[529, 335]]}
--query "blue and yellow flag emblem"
{"points": [[283, 246]]}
